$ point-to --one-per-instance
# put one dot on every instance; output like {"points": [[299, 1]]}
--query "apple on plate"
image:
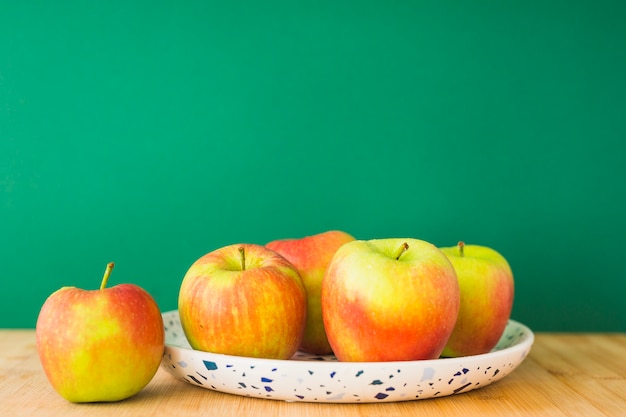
{"points": [[311, 256], [389, 300], [243, 300], [487, 289], [100, 345]]}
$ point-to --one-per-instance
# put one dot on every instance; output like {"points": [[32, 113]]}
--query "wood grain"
{"points": [[565, 375]]}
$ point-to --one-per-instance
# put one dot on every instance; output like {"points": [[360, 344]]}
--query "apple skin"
{"points": [[379, 308], [258, 311], [311, 256], [100, 345], [487, 290]]}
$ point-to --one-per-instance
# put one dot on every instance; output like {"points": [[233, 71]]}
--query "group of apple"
{"points": [[361, 300]]}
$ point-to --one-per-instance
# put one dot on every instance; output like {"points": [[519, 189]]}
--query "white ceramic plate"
{"points": [[324, 379]]}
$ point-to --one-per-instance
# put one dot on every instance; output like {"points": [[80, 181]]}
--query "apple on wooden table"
{"points": [[243, 300], [311, 256], [100, 345], [487, 290], [389, 300]]}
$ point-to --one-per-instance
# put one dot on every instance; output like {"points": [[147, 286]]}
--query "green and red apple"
{"points": [[389, 300], [100, 345], [487, 289], [311, 256], [243, 300]]}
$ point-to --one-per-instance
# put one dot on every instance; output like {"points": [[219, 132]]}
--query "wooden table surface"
{"points": [[565, 374]]}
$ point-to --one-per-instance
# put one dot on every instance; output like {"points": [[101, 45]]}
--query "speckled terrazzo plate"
{"points": [[324, 379]]}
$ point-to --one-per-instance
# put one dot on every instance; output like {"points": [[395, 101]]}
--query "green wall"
{"points": [[151, 134]]}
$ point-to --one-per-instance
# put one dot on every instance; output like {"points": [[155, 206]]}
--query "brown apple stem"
{"points": [[242, 251], [461, 246], [403, 248], [107, 273]]}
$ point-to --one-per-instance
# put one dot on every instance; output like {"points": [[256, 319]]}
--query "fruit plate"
{"points": [[308, 378]]}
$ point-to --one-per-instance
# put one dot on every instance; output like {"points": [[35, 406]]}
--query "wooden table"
{"points": [[564, 375]]}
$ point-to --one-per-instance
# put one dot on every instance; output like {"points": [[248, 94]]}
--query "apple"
{"points": [[486, 284], [243, 300], [100, 345], [311, 256], [389, 300]]}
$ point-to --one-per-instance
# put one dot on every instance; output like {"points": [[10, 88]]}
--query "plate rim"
{"points": [[526, 341]]}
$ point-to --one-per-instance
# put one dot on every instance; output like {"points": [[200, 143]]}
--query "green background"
{"points": [[150, 133]]}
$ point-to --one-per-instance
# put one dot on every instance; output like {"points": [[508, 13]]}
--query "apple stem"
{"points": [[242, 251], [107, 273], [461, 246], [403, 248]]}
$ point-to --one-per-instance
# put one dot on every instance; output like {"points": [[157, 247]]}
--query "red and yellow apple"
{"points": [[100, 345], [243, 300], [487, 289], [389, 300], [311, 256]]}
